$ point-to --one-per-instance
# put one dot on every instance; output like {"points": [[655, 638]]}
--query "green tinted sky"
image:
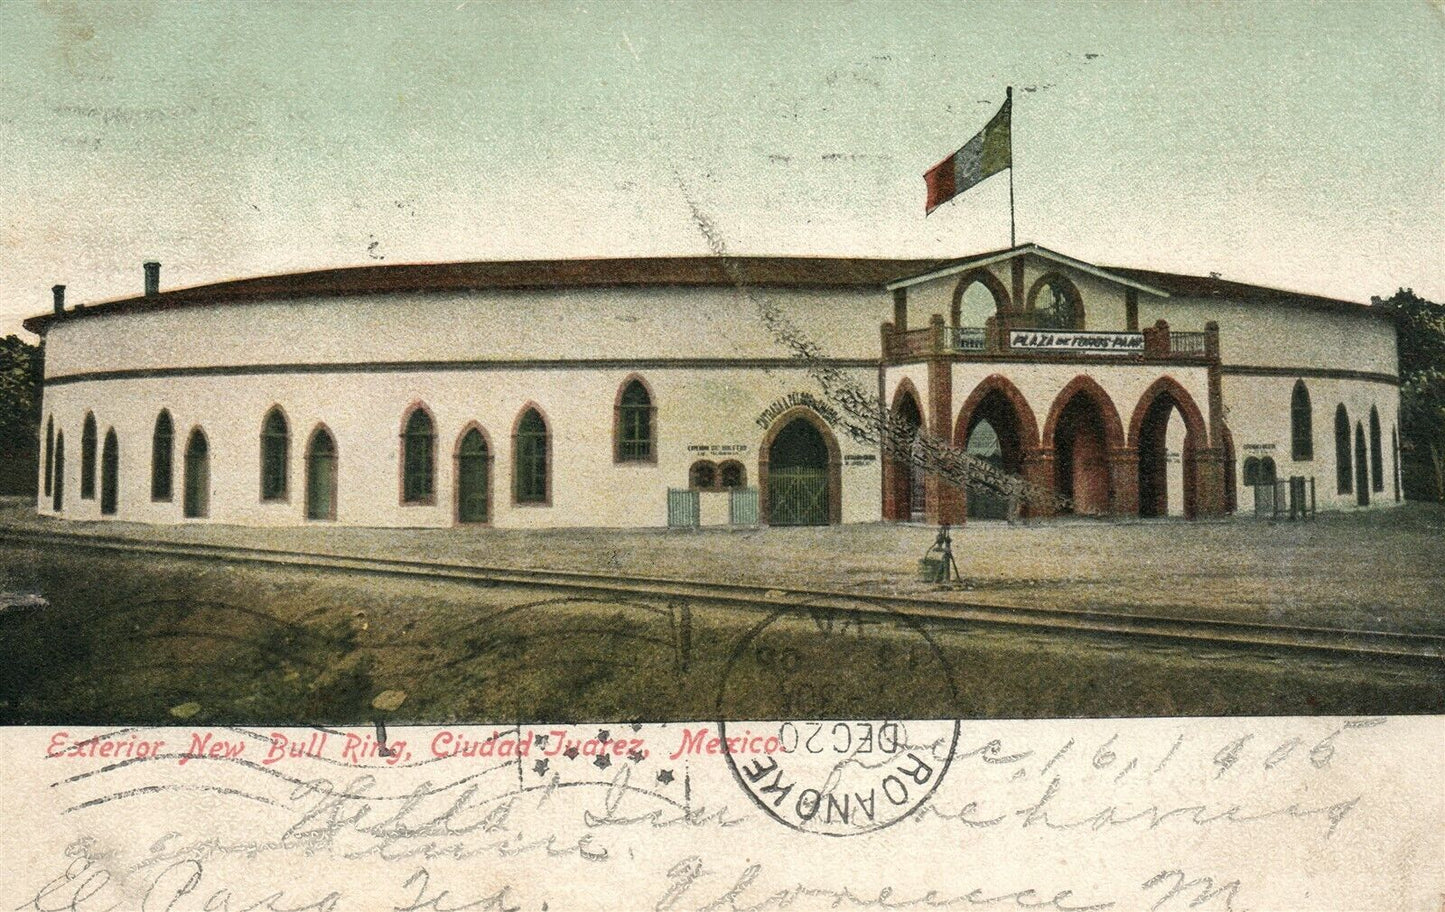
{"points": [[1290, 144]]}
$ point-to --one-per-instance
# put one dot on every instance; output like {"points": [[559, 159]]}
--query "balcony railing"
{"points": [[1188, 343], [969, 338]]}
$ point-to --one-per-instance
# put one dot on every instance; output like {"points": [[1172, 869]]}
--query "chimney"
{"points": [[59, 292], [153, 279]]}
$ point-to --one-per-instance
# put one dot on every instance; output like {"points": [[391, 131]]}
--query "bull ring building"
{"points": [[634, 392]]}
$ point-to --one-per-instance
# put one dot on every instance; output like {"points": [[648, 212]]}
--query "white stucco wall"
{"points": [[618, 323], [695, 407], [1280, 335], [1259, 421]]}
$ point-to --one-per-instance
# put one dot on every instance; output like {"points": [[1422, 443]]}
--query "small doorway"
{"points": [[321, 475], [798, 476], [197, 500], [473, 463], [109, 474]]}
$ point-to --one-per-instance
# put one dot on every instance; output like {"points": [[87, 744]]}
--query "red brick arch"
{"points": [[1193, 419], [897, 471], [1152, 485], [1086, 386], [998, 383], [1001, 301], [906, 387]]}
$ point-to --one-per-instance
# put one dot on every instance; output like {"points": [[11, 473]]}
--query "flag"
{"points": [[985, 155]]}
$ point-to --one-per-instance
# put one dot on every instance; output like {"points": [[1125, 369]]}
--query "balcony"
{"points": [[1016, 340]]}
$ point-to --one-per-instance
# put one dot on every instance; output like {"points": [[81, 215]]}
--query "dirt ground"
{"points": [[136, 639], [1375, 570]]}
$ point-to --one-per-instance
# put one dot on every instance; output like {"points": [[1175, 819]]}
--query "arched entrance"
{"points": [[1167, 420], [197, 498], [905, 473], [1362, 468], [1083, 427], [985, 444], [799, 471], [997, 426], [109, 474], [321, 475], [473, 478]]}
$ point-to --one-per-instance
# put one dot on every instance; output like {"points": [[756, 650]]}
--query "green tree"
{"points": [[1422, 392], [21, 371]]}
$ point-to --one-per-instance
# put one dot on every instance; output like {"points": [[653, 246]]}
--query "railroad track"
{"points": [[1411, 648]]}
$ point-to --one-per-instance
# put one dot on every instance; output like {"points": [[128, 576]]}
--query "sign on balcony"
{"points": [[1100, 343]]}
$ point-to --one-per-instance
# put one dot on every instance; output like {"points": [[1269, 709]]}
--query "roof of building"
{"points": [[1215, 287], [684, 271], [980, 260]]}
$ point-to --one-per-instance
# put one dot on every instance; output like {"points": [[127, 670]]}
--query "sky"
{"points": [[1285, 144]]}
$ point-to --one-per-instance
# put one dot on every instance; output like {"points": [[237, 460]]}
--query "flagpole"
{"points": [[1012, 240]]}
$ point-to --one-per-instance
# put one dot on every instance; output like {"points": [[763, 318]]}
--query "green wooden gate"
{"points": [[798, 496]]}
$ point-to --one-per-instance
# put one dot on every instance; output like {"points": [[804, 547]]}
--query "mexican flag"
{"points": [[985, 155]]}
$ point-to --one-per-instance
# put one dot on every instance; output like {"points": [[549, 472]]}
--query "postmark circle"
{"points": [[841, 754]]}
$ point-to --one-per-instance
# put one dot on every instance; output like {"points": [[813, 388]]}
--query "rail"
{"points": [[1188, 343]]}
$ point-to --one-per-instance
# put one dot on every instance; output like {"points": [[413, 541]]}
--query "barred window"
{"points": [[1301, 425], [162, 456], [732, 474], [702, 476], [275, 456], [530, 467], [635, 424], [418, 443]]}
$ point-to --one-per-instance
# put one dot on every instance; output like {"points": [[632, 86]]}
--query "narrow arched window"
{"points": [[530, 463], [1377, 453], [1301, 424], [702, 476], [49, 452], [162, 456], [636, 424], [275, 456], [197, 496], [418, 444], [732, 474], [109, 474], [1395, 459], [57, 491], [87, 458], [473, 476], [1344, 468], [321, 475]]}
